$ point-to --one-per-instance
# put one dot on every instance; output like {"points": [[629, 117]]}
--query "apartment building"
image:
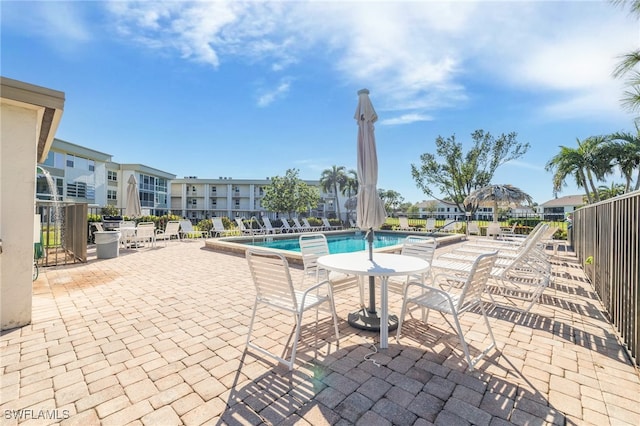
{"points": [[198, 199], [84, 175]]}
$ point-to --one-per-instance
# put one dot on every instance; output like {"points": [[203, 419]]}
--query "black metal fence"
{"points": [[606, 241]]}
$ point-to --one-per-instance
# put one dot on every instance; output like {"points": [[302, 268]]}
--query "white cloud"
{"points": [[405, 119], [269, 96], [61, 23], [415, 56]]}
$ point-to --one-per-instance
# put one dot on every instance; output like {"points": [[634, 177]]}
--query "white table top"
{"points": [[383, 264]]}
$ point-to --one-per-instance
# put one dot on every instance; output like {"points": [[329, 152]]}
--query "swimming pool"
{"points": [[339, 243], [287, 244]]}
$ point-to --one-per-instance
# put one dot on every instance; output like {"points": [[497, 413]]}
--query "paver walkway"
{"points": [[157, 337]]}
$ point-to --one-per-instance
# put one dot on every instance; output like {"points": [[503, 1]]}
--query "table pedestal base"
{"points": [[370, 321]]}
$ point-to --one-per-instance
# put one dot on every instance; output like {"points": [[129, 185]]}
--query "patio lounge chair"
{"points": [[309, 227], [430, 225], [328, 226], [247, 231], [274, 288], [443, 298], [187, 230], [219, 230], [404, 224], [299, 227], [474, 229], [286, 226], [172, 229], [522, 276], [268, 228], [314, 245]]}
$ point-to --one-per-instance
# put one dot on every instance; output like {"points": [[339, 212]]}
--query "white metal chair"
{"points": [[328, 226], [310, 227], [455, 303], [403, 224], [171, 229], [145, 234], [268, 227], [219, 230], [314, 245], [274, 288], [187, 230], [286, 226], [430, 225], [419, 246], [247, 231]]}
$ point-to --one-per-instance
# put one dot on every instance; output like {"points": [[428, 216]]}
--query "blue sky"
{"points": [[251, 89]]}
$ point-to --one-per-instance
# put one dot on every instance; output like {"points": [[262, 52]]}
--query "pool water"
{"points": [[341, 243]]}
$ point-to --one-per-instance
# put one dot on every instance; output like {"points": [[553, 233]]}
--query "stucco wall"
{"points": [[18, 146]]}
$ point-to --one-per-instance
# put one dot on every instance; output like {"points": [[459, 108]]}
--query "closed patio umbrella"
{"points": [[497, 194], [370, 208], [132, 209]]}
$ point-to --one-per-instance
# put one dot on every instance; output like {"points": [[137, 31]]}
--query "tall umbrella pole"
{"points": [[370, 208]]}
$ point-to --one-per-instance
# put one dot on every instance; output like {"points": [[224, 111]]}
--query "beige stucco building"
{"points": [[29, 116]]}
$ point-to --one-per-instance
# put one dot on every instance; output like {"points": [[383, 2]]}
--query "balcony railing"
{"points": [[606, 241]]}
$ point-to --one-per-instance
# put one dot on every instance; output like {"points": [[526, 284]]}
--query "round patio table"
{"points": [[383, 265]]}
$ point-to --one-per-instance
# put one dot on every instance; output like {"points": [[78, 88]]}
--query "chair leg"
{"points": [[294, 347], [335, 316], [465, 348], [253, 317]]}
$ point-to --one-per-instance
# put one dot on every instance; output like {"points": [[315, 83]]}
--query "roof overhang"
{"points": [[48, 102]]}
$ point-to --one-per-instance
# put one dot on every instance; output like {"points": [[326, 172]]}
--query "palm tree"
{"points": [[626, 148], [591, 158], [350, 187], [629, 65], [611, 191], [333, 180]]}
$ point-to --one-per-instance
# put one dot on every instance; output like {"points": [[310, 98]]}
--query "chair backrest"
{"points": [[172, 227], [419, 246], [145, 230], [493, 229], [474, 228], [296, 223], [312, 246], [285, 223], [476, 282], [218, 225], [272, 279], [326, 223], [353, 223], [240, 224], [127, 224], [267, 223], [186, 226], [404, 222], [430, 225], [305, 223], [98, 226]]}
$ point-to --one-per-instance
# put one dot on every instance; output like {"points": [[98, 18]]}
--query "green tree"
{"points": [[350, 188], [626, 151], [289, 194], [333, 180], [391, 199], [611, 191], [456, 174], [629, 65], [592, 158]]}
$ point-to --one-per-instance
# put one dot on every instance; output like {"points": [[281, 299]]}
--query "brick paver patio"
{"points": [[157, 337]]}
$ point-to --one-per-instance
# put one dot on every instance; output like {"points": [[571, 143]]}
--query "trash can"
{"points": [[107, 244]]}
